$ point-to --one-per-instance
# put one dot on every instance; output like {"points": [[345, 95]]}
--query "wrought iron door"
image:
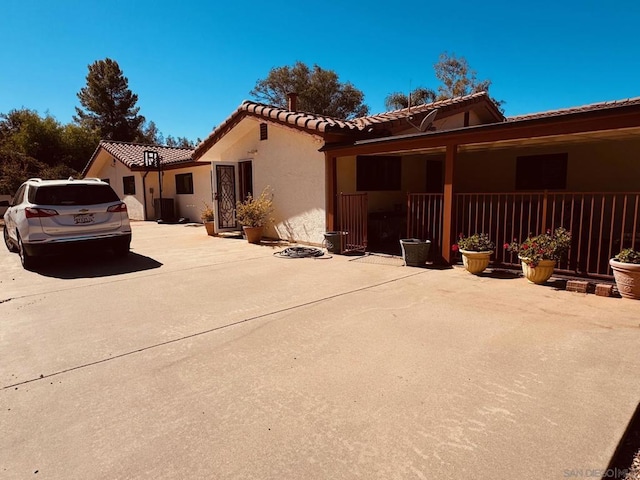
{"points": [[225, 196]]}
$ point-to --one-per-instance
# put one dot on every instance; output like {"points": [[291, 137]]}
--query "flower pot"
{"points": [[415, 251], [475, 262], [210, 228], [540, 273], [333, 241], [627, 277], [253, 234]]}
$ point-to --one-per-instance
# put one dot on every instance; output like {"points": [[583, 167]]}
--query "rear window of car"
{"points": [[74, 195]]}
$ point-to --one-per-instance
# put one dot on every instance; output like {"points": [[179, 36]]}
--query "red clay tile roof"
{"points": [[132, 154], [441, 105], [320, 124], [571, 110]]}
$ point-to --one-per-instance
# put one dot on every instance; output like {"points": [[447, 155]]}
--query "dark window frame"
{"points": [[264, 132], [129, 185], [542, 172], [184, 188], [378, 173]]}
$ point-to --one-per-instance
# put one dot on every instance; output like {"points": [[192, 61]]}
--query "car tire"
{"points": [[28, 262], [7, 240]]}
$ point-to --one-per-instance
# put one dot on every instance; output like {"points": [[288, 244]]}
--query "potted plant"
{"points": [[254, 213], [415, 252], [476, 251], [539, 254], [207, 216], [626, 271]]}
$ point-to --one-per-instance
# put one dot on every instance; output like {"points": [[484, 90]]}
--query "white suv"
{"points": [[53, 216]]}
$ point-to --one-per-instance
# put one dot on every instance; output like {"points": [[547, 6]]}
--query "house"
{"points": [[261, 145], [185, 185], [469, 169]]}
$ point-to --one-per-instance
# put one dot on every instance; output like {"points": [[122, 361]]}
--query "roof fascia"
{"points": [[580, 122]]}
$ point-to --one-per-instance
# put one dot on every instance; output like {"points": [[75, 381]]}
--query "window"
{"points": [[378, 173], [263, 131], [74, 195], [184, 183], [542, 172], [129, 185], [435, 181], [246, 179]]}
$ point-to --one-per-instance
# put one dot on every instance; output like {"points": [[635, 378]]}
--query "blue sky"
{"points": [[193, 62]]}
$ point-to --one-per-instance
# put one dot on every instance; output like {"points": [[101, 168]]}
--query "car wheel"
{"points": [[27, 260], [7, 240]]}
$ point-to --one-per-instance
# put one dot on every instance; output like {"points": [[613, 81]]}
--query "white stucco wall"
{"points": [[290, 163], [189, 205], [106, 167], [185, 205]]}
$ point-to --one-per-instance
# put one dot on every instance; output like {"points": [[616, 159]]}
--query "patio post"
{"points": [[331, 190], [448, 211]]}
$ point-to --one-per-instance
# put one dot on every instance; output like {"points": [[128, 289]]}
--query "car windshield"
{"points": [[74, 195]]}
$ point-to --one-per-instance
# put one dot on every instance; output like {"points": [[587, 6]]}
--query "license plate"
{"points": [[83, 219]]}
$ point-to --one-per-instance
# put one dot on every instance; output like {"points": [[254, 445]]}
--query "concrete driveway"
{"points": [[203, 357]]}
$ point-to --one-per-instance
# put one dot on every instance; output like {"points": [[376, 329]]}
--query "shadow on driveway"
{"points": [[91, 265]]}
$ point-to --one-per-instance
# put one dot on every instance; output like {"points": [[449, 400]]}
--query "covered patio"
{"points": [[573, 168]]}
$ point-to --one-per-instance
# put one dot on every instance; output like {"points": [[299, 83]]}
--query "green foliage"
{"points": [[547, 246], [456, 80], [628, 255], [319, 91], [35, 146], [109, 106], [255, 212], [419, 96], [478, 242], [181, 142]]}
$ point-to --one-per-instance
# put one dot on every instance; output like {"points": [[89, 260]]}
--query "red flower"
{"points": [[506, 245], [454, 247]]}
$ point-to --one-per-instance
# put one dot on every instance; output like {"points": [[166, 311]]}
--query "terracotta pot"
{"points": [[540, 273], [253, 234], [475, 262], [627, 277], [210, 228]]}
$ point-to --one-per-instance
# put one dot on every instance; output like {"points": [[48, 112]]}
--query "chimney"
{"points": [[293, 101]]}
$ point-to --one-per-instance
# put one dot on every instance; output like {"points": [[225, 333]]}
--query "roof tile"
{"points": [[132, 154]]}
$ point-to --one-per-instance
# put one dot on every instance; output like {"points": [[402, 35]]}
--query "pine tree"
{"points": [[109, 106]]}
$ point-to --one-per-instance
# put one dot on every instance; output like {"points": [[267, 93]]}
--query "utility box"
{"points": [[168, 212]]}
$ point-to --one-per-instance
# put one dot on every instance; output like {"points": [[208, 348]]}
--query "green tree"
{"points": [[457, 78], [150, 134], [319, 91], [419, 96], [181, 142], [109, 105], [35, 146]]}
